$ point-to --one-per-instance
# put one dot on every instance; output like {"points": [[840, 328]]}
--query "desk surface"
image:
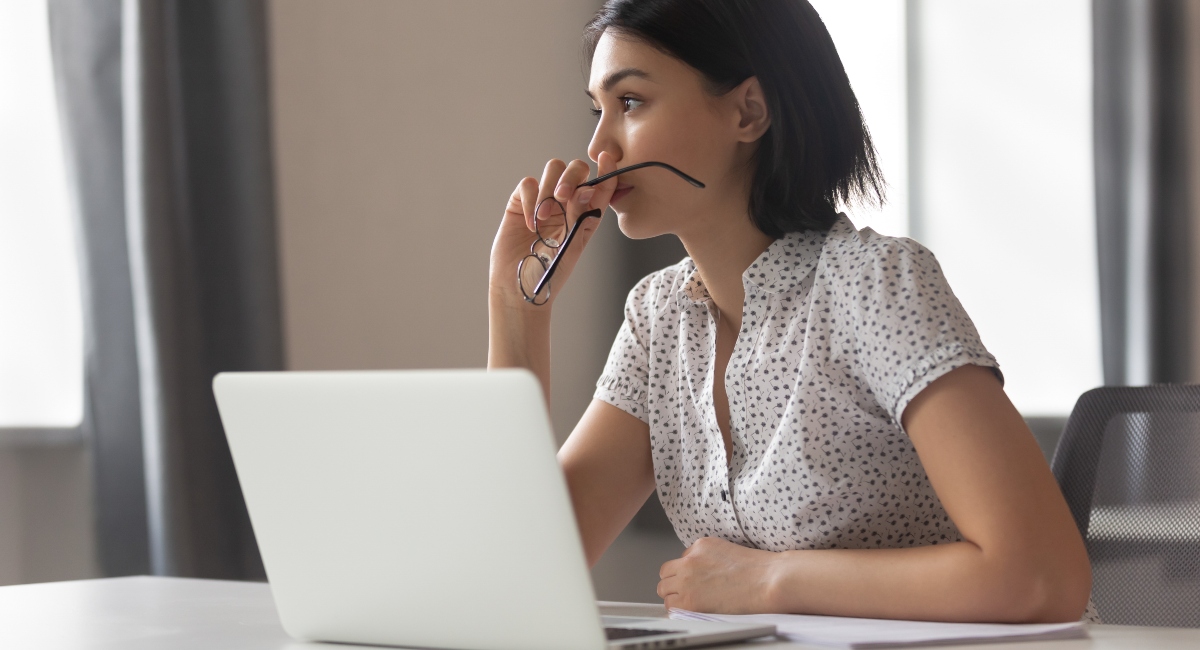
{"points": [[183, 614]]}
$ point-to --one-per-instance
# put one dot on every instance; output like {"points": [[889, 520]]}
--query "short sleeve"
{"points": [[910, 328], [626, 373]]}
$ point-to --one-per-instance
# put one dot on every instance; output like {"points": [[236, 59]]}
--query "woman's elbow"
{"points": [[1054, 591]]}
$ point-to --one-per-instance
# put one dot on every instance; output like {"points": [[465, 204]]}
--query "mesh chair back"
{"points": [[1128, 463]]}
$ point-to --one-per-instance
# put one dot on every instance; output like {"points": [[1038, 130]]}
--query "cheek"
{"points": [[661, 202], [671, 136], [649, 141]]}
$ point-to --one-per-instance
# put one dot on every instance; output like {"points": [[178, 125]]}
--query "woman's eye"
{"points": [[625, 102]]}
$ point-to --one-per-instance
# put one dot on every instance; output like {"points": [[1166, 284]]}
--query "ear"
{"points": [[750, 105]]}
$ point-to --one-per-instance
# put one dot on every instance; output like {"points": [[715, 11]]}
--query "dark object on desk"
{"points": [[1129, 466], [615, 633]]}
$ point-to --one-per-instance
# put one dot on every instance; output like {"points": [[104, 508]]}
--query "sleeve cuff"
{"points": [[625, 393], [932, 367]]}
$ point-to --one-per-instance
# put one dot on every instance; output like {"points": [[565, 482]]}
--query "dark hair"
{"points": [[817, 151]]}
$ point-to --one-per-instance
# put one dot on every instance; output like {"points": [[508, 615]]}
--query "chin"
{"points": [[636, 228]]}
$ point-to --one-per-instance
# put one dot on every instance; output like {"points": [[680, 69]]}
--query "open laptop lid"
{"points": [[416, 508]]}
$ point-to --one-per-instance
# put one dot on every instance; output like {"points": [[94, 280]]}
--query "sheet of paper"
{"points": [[883, 633]]}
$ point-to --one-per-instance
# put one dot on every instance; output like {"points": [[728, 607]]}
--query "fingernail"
{"points": [[585, 195], [560, 193]]}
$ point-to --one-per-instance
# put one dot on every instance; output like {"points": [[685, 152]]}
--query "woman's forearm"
{"points": [[519, 337], [947, 582]]}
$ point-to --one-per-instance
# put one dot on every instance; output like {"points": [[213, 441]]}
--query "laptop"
{"points": [[422, 509]]}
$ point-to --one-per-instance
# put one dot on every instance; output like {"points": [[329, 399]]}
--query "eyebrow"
{"points": [[615, 77]]}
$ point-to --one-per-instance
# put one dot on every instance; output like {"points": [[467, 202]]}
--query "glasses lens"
{"points": [[529, 273], [551, 222]]}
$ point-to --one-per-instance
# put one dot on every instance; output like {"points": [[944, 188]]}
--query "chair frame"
{"points": [[1077, 455]]}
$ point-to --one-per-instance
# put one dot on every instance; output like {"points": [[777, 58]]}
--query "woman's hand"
{"points": [[518, 331], [719, 577], [517, 231]]}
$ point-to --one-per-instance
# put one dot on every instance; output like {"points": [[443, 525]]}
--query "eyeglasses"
{"points": [[550, 222]]}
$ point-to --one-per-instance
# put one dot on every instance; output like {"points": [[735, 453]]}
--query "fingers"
{"points": [[668, 587], [575, 173], [527, 190], [560, 180], [554, 170], [668, 569]]}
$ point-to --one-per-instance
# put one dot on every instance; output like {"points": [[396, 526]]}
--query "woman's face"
{"points": [[655, 107]]}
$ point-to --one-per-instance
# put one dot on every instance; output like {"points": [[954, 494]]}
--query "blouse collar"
{"points": [[779, 269]]}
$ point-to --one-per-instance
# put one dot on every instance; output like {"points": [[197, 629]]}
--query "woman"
{"points": [[823, 426]]}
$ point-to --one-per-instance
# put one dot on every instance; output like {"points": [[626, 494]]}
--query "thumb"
{"points": [[605, 163]]}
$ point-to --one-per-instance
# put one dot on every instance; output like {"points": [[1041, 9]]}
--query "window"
{"points": [[870, 38], [996, 173], [41, 330]]}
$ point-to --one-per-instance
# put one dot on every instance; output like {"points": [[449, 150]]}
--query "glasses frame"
{"points": [[561, 248]]}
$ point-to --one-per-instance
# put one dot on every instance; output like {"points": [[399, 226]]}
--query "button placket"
{"points": [[751, 320], [720, 484], [735, 394]]}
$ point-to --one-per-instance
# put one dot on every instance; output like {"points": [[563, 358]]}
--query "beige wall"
{"points": [[401, 128], [46, 516]]}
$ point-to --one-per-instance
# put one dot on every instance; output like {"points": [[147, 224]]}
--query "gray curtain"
{"points": [[167, 117], [86, 42], [1143, 211]]}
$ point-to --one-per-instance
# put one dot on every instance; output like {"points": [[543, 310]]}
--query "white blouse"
{"points": [[840, 330]]}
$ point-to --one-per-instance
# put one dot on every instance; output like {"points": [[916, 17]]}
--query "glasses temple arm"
{"points": [[563, 249], [601, 179]]}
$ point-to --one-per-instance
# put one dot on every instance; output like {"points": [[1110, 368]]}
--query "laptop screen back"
{"points": [[416, 508]]}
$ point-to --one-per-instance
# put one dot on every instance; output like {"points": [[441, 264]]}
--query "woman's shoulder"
{"points": [[859, 249], [865, 261]]}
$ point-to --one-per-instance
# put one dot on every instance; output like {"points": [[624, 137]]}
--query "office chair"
{"points": [[1128, 463]]}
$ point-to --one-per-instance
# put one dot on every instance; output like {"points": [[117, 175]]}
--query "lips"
{"points": [[620, 193]]}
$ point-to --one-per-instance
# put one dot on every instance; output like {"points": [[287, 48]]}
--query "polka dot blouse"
{"points": [[840, 330]]}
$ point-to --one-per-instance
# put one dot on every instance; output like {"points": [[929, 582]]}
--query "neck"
{"points": [[722, 251]]}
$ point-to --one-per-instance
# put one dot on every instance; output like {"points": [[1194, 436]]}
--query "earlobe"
{"points": [[753, 115]]}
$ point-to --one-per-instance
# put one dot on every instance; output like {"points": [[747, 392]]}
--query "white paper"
{"points": [[884, 633]]}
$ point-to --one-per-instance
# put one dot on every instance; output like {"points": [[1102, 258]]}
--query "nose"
{"points": [[604, 140]]}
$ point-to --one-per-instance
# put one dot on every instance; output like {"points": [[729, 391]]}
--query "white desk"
{"points": [[180, 614]]}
